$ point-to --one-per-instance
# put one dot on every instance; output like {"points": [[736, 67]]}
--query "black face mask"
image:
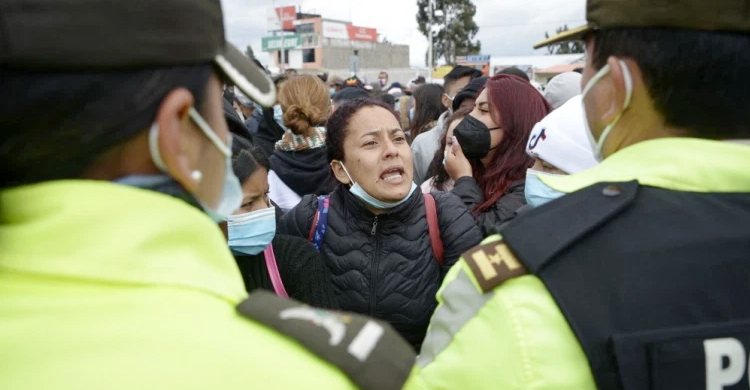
{"points": [[474, 137]]}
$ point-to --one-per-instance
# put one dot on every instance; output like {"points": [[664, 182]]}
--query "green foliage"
{"points": [[249, 52], [570, 47], [455, 28]]}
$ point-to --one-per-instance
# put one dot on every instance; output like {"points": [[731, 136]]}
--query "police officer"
{"points": [[115, 161], [638, 278]]}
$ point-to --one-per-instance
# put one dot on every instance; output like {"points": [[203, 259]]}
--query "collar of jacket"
{"points": [[678, 164], [116, 234], [357, 209]]}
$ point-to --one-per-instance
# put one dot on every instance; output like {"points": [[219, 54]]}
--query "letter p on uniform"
{"points": [[718, 376]]}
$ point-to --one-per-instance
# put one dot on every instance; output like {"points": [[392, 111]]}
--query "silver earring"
{"points": [[196, 175]]}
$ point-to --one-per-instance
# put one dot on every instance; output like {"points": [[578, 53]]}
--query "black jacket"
{"points": [[269, 132], [387, 269], [302, 271], [305, 172], [505, 207]]}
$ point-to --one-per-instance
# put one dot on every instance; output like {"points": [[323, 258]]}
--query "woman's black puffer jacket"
{"points": [[384, 266]]}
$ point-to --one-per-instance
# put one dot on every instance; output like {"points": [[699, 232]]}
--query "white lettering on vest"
{"points": [[718, 376]]}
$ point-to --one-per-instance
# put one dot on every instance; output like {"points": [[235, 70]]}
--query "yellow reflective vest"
{"points": [[104, 286], [514, 336]]}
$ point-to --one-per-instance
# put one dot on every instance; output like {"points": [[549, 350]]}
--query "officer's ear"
{"points": [[616, 89], [174, 142]]}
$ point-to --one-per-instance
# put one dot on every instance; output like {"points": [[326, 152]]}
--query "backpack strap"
{"points": [[433, 227], [273, 272], [320, 222]]}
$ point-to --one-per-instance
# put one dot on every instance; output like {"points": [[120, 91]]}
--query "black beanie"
{"points": [[470, 91]]}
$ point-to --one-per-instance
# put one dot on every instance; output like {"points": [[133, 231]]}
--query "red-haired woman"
{"points": [[488, 159]]}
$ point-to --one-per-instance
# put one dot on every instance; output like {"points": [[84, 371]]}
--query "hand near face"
{"points": [[456, 164]]}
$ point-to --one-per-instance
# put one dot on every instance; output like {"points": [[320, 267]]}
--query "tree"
{"points": [[570, 47], [249, 52], [455, 28]]}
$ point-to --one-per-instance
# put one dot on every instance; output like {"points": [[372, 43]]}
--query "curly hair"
{"points": [[336, 127], [305, 102]]}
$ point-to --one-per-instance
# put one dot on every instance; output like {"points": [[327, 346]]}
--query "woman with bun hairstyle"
{"points": [[299, 164]]}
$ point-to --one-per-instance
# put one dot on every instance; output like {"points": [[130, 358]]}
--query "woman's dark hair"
{"points": [[247, 158], [437, 169], [516, 106], [387, 99], [428, 106], [339, 121], [55, 125]]}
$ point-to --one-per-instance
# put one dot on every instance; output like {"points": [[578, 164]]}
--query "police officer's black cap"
{"points": [[91, 35], [706, 15]]}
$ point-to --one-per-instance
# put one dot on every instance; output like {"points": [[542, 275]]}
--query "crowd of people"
{"points": [[178, 219]]}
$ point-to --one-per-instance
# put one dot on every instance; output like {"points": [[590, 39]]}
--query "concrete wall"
{"points": [[336, 54]]}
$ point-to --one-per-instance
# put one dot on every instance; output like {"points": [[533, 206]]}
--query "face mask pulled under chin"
{"points": [[231, 193], [474, 137], [362, 195], [597, 145]]}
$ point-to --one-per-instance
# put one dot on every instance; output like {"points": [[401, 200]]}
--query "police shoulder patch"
{"points": [[492, 264], [368, 351]]}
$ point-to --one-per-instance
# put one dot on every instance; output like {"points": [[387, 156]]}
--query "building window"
{"points": [[308, 55], [286, 56], [306, 28]]}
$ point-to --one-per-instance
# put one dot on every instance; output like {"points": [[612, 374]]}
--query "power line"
{"points": [[562, 22]]}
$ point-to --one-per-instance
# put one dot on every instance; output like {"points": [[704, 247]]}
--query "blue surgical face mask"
{"points": [[251, 233], [360, 193], [331, 91], [231, 194], [538, 193], [278, 116]]}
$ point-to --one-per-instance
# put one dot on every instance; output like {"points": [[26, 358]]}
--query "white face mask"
{"points": [[596, 146]]}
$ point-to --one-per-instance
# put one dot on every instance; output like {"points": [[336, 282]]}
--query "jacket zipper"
{"points": [[374, 267]]}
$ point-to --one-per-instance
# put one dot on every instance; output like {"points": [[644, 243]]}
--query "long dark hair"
{"points": [[516, 106], [428, 107], [437, 169]]}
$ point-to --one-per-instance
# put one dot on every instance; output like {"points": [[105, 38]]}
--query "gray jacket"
{"points": [[424, 147]]}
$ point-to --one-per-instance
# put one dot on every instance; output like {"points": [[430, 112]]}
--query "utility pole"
{"points": [[430, 50]]}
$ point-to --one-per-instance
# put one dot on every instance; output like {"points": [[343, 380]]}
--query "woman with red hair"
{"points": [[488, 159]]}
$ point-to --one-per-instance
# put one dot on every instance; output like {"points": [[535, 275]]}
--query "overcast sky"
{"points": [[506, 28]]}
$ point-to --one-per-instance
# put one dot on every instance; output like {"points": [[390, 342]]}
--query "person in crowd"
{"points": [[396, 90], [428, 107], [637, 278], [271, 124], [439, 179], [234, 122], [335, 84], [383, 81], [562, 88], [288, 266], [115, 273], [516, 72], [559, 145], [299, 165], [375, 233], [345, 95], [425, 145], [387, 99], [467, 97], [247, 109], [487, 159]]}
